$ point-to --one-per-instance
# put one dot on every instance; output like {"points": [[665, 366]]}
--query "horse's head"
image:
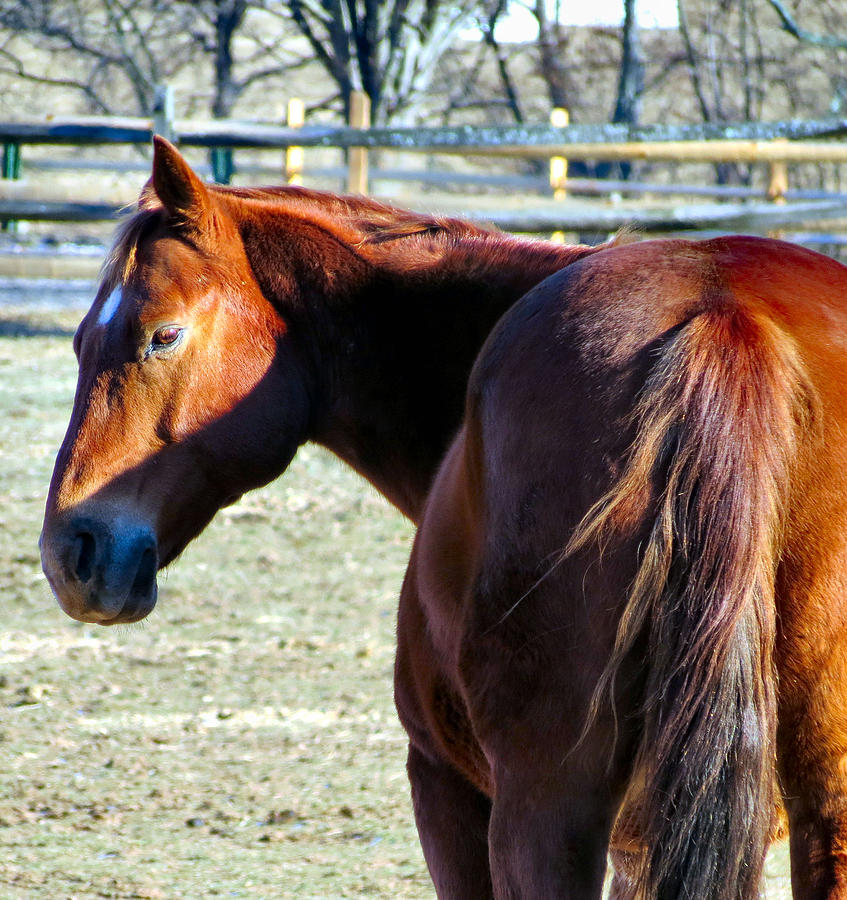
{"points": [[189, 394]]}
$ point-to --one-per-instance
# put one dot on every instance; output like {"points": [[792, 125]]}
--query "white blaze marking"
{"points": [[110, 307]]}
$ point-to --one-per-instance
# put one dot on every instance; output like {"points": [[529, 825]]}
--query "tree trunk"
{"points": [[631, 76], [229, 14]]}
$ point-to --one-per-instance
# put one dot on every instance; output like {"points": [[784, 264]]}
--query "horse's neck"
{"points": [[388, 330], [398, 398]]}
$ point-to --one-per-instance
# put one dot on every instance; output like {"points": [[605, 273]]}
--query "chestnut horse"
{"points": [[624, 593]]}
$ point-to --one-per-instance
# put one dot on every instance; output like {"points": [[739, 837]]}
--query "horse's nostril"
{"points": [[84, 551]]}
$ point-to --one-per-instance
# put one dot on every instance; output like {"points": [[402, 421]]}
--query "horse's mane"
{"points": [[374, 220], [364, 224], [370, 221], [122, 258], [370, 227]]}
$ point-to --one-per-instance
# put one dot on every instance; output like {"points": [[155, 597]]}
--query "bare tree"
{"points": [[487, 22], [552, 48], [247, 41], [477, 77], [630, 77], [726, 64], [115, 52], [828, 38], [631, 73], [107, 51], [387, 48]]}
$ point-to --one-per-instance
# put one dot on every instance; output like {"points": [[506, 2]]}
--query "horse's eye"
{"points": [[166, 336]]}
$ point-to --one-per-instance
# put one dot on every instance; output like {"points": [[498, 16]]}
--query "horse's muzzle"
{"points": [[103, 572]]}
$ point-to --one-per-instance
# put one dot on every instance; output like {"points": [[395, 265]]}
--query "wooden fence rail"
{"points": [[774, 143], [535, 218], [535, 184], [540, 140]]}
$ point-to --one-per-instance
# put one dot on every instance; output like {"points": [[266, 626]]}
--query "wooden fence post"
{"points": [[778, 184], [559, 118], [357, 158], [294, 155]]}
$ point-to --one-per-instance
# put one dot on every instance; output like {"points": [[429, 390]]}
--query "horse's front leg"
{"points": [[451, 810], [452, 818]]}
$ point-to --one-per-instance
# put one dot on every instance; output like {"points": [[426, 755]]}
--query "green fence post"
{"points": [[11, 170], [223, 165]]}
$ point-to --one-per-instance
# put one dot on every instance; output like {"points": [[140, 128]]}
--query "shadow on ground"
{"points": [[17, 327]]}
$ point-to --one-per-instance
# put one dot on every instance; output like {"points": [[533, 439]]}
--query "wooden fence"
{"points": [[775, 144]]}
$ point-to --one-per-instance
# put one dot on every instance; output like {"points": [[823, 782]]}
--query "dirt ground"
{"points": [[242, 741]]}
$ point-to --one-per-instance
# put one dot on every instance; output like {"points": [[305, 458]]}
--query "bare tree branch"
{"points": [[552, 51], [691, 56], [128, 43], [488, 26], [16, 68], [831, 42], [390, 49]]}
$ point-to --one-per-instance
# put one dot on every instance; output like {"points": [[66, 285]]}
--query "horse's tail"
{"points": [[717, 427]]}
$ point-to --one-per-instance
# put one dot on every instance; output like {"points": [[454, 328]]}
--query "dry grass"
{"points": [[242, 741]]}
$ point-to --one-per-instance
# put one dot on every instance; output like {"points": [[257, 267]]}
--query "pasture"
{"points": [[242, 741]]}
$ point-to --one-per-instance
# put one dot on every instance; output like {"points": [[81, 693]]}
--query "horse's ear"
{"points": [[180, 191]]}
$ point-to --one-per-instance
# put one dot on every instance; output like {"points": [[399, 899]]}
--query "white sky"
{"points": [[520, 24]]}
